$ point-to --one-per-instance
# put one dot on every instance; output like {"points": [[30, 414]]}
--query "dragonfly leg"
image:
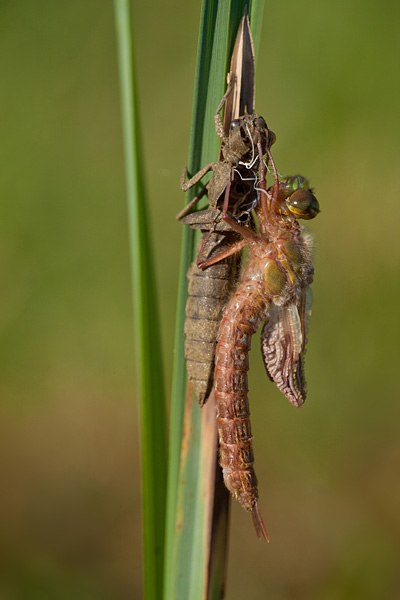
{"points": [[244, 232], [264, 196], [275, 191], [247, 235], [217, 258]]}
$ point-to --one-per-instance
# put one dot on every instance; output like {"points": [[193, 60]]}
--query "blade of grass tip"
{"points": [[186, 565], [151, 395]]}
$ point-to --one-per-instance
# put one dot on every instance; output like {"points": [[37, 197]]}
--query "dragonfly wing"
{"points": [[283, 342]]}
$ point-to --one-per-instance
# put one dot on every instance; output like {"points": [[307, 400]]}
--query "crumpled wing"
{"points": [[283, 342]]}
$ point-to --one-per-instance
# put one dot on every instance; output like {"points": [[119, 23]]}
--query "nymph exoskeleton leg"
{"points": [[219, 126], [185, 211], [185, 186]]}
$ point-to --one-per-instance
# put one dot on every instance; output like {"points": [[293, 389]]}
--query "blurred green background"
{"points": [[328, 86]]}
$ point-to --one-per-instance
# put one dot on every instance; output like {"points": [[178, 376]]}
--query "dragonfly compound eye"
{"points": [[296, 182], [303, 204]]}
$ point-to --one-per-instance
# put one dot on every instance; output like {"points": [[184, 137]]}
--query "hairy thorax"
{"points": [[281, 268]]}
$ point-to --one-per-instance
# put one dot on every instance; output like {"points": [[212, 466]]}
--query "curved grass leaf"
{"points": [[146, 327]]}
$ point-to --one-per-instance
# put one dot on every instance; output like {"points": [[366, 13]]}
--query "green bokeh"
{"points": [[328, 85]]}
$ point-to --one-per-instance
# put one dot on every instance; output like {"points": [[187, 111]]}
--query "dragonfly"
{"points": [[274, 290]]}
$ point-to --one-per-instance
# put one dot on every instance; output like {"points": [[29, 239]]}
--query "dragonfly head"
{"points": [[299, 197]]}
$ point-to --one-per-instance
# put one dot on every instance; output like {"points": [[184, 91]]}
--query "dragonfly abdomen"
{"points": [[241, 319]]}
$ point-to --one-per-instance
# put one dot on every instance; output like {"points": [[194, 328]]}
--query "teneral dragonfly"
{"points": [[275, 290]]}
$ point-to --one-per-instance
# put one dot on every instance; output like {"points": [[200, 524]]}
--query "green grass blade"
{"points": [[256, 20], [186, 568], [145, 308]]}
